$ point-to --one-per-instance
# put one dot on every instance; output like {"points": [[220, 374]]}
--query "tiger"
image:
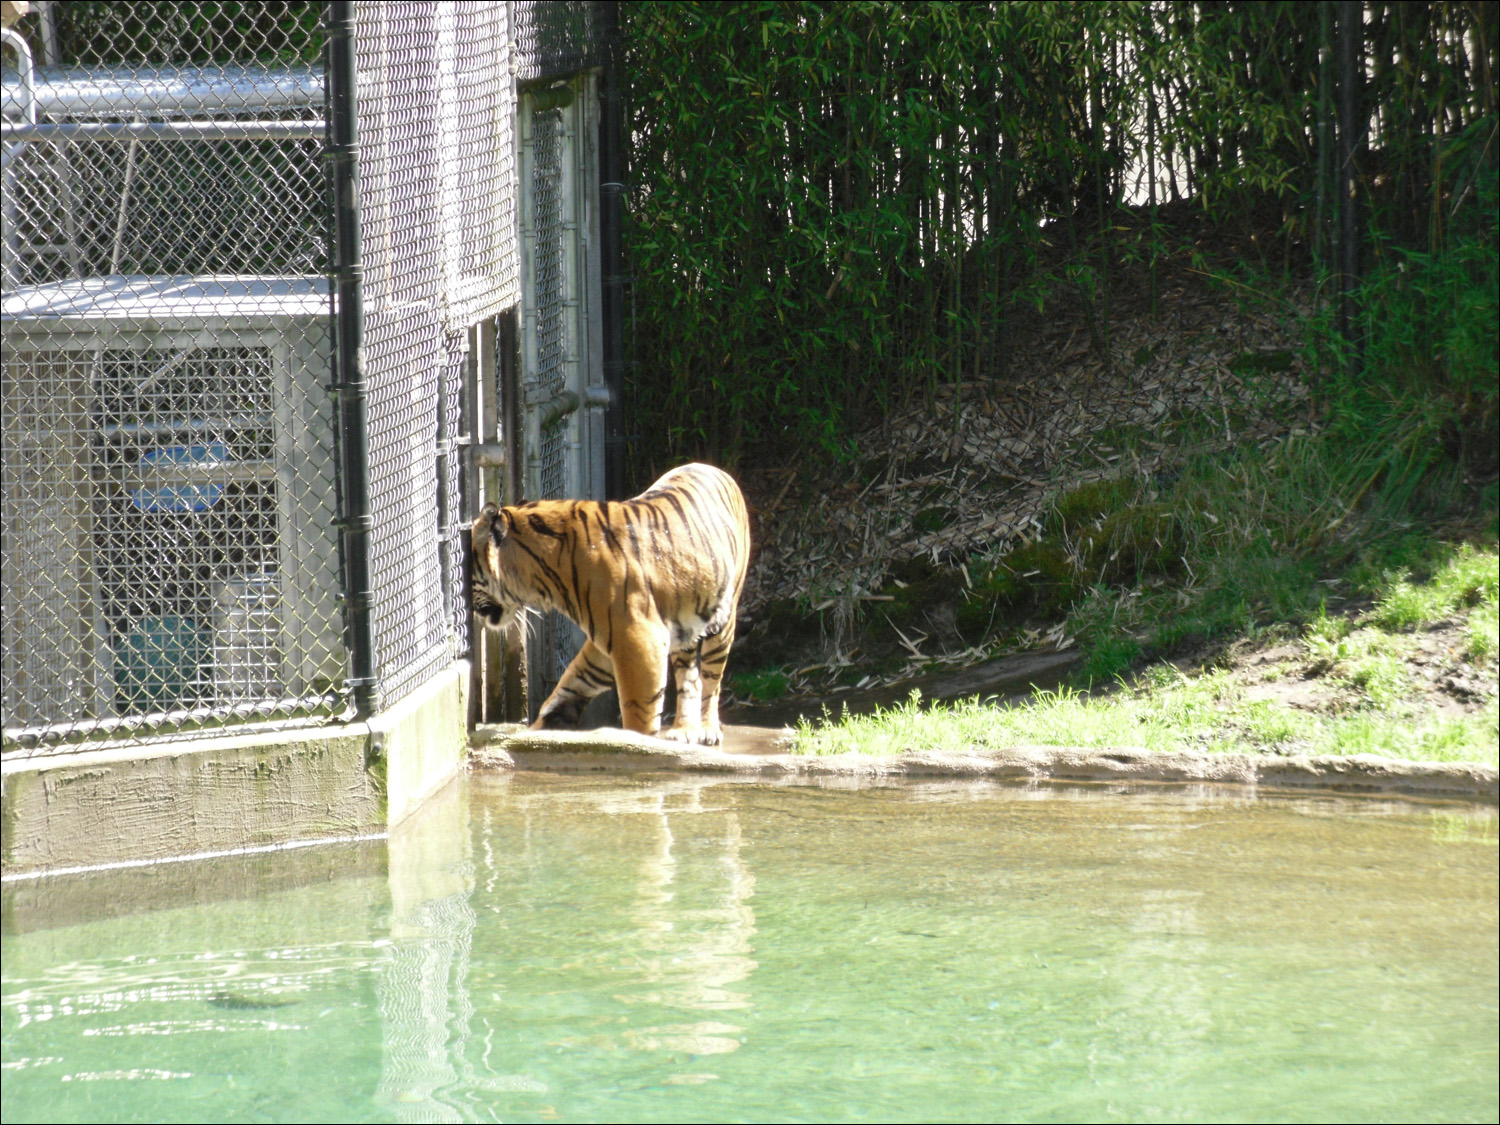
{"points": [[653, 582]]}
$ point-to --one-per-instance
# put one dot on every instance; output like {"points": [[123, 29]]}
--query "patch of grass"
{"points": [[1108, 660], [1466, 578], [1466, 738], [1082, 507], [1382, 678], [1035, 579], [1325, 630], [1165, 712], [1271, 726], [762, 687], [1365, 658], [1483, 632], [1245, 534]]}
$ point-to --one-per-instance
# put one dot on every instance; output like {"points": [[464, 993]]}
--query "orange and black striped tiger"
{"points": [[653, 582]]}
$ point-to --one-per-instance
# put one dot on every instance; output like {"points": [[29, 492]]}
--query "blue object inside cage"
{"points": [[159, 663], [182, 497]]}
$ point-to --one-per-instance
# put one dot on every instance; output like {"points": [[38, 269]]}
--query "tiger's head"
{"points": [[492, 600]]}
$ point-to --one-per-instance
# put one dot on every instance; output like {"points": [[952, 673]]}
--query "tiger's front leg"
{"points": [[641, 677], [588, 674]]}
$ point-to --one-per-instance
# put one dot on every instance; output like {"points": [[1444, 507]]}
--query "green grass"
{"points": [[1228, 541], [1482, 629], [1462, 580], [1358, 665], [1210, 713], [1256, 530]]}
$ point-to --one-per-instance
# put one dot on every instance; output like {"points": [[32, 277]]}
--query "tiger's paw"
{"points": [[694, 736]]}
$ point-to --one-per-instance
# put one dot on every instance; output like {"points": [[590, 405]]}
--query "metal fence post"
{"points": [[349, 358], [612, 192]]}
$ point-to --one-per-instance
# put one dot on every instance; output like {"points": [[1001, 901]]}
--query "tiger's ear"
{"points": [[499, 523], [484, 528]]}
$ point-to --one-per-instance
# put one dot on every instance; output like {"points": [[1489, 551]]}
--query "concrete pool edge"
{"points": [[621, 751]]}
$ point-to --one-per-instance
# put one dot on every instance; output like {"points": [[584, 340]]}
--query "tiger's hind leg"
{"points": [[687, 726], [590, 673], [700, 674], [713, 656]]}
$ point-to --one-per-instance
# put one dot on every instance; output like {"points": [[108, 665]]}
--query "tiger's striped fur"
{"points": [[653, 582]]}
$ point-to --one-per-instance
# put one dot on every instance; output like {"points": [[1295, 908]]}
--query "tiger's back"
{"points": [[653, 582]]}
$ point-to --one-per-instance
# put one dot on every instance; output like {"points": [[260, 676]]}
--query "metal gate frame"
{"points": [[537, 398]]}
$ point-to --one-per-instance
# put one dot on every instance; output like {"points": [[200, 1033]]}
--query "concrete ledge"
{"points": [[422, 741], [614, 750], [158, 800], [151, 802]]}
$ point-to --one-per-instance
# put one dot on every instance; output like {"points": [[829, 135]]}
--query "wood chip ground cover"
{"points": [[989, 456]]}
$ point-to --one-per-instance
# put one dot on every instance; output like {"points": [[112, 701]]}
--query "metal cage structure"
{"points": [[240, 450]]}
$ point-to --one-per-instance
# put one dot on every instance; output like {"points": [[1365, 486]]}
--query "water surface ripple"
{"points": [[544, 948]]}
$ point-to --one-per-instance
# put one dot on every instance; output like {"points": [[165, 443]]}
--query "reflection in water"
{"points": [[682, 936], [694, 940], [425, 1008]]}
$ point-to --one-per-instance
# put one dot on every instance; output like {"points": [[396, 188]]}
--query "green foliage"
{"points": [[762, 687], [1087, 505], [1466, 578], [1107, 660], [1483, 632], [840, 206]]}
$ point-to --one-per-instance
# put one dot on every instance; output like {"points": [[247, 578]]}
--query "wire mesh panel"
{"points": [[396, 58], [450, 493], [169, 475], [167, 492], [477, 161], [548, 376], [557, 39], [437, 188]]}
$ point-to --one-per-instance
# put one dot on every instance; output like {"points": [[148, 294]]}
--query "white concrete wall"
{"points": [[181, 798]]}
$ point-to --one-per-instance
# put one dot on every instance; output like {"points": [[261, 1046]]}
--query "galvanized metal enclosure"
{"points": [[269, 346]]}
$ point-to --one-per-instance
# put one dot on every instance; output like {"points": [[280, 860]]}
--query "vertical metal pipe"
{"points": [[352, 390], [443, 455], [12, 221], [611, 246]]}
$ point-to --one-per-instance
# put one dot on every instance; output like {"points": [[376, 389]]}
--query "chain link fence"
{"points": [[559, 39], [169, 487], [171, 512]]}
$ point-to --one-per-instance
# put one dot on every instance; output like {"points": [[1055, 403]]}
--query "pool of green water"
{"points": [[544, 948]]}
